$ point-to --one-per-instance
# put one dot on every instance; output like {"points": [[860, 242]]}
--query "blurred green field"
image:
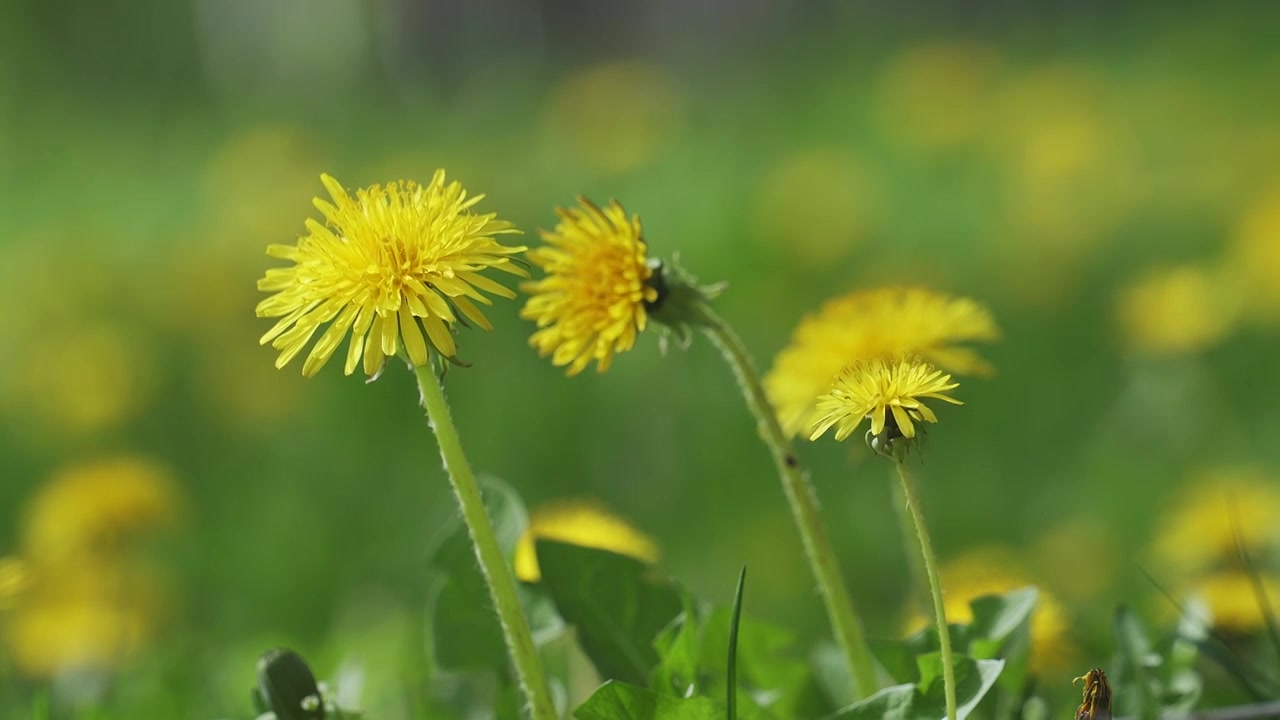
{"points": [[1106, 181]]}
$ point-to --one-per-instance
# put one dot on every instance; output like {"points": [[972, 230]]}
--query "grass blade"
{"points": [[731, 678]]}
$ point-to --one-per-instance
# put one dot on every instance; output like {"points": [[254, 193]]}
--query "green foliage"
{"points": [[617, 604], [619, 701], [288, 687], [924, 700], [1156, 677]]}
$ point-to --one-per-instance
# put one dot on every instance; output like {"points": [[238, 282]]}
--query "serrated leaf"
{"points": [[618, 701], [618, 605]]}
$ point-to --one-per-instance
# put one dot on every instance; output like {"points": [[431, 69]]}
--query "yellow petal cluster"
{"points": [[388, 264], [591, 303], [885, 390], [869, 324]]}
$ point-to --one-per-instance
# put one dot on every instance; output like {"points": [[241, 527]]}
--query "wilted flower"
{"points": [[889, 392], [871, 324], [1096, 702], [582, 523], [593, 301], [390, 263]]}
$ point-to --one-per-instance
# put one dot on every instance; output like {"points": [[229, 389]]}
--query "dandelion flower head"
{"points": [[1232, 601], [389, 263], [86, 510], [592, 302], [1176, 310], [870, 324], [582, 523], [887, 390], [1198, 532]]}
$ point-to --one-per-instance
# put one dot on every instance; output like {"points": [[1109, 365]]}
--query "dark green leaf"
{"points": [[892, 703], [679, 654], [996, 617], [898, 657], [831, 670], [618, 605], [618, 701]]}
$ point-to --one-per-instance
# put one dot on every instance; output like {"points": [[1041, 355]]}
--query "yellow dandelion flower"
{"points": [[582, 523], [889, 391], [1233, 602], [389, 263], [994, 571], [1176, 310], [1198, 532], [869, 324], [87, 509], [592, 302]]}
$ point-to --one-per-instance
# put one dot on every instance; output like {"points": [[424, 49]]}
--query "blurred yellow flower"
{"points": [[87, 510], [391, 262], [1176, 310], [583, 523], [81, 617], [1255, 256], [829, 188], [889, 391], [870, 324], [1233, 602], [935, 96], [591, 304], [616, 117], [83, 378], [255, 182], [995, 571], [1197, 533]]}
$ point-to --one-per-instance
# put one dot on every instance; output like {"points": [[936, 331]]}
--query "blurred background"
{"points": [[1106, 179]]}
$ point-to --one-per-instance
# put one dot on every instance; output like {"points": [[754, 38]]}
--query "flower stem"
{"points": [[804, 506], [493, 564], [935, 588]]}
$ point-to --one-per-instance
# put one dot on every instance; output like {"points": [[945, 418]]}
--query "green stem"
{"points": [[935, 588], [493, 564], [804, 506]]}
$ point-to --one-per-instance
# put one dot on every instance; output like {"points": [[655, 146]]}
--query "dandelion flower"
{"points": [[592, 302], [581, 523], [1176, 310], [86, 510], [994, 571], [870, 324], [1198, 532], [889, 391], [1232, 600], [390, 263]]}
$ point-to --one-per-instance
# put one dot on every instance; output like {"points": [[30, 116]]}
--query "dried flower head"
{"points": [[889, 391], [1096, 703], [592, 303], [870, 324], [388, 264]]}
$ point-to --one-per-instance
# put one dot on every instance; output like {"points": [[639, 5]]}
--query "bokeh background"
{"points": [[1106, 179]]}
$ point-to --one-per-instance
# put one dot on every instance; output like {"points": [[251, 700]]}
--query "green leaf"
{"points": [[618, 605], [1136, 659], [892, 703], [679, 653], [464, 629], [898, 657], [619, 701], [996, 618], [974, 679], [772, 674], [288, 686], [926, 700], [831, 670], [731, 674]]}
